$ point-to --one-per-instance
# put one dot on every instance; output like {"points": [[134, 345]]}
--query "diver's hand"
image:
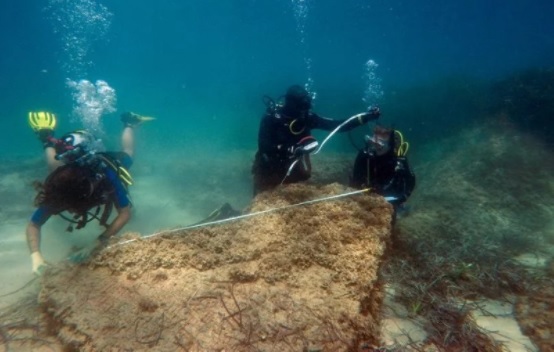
{"points": [[372, 114], [39, 266], [305, 146], [296, 152]]}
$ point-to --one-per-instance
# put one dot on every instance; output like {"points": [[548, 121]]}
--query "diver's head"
{"points": [[297, 101], [69, 187], [72, 146], [382, 140]]}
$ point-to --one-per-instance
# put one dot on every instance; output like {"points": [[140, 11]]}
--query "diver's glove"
{"points": [[373, 113], [400, 164], [297, 151], [306, 146], [39, 266]]}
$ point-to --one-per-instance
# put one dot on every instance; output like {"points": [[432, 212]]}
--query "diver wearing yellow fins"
{"points": [[84, 180]]}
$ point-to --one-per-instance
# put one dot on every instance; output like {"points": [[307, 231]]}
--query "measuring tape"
{"points": [[245, 216]]}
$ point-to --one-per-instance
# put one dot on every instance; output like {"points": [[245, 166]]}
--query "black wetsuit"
{"points": [[278, 133], [388, 175]]}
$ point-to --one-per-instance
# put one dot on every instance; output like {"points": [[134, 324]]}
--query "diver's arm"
{"points": [[39, 217], [323, 123], [122, 203], [33, 242], [33, 237], [122, 218], [327, 124], [50, 155]]}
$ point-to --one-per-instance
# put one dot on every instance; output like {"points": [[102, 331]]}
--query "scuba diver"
{"points": [[382, 166], [285, 141], [83, 180]]}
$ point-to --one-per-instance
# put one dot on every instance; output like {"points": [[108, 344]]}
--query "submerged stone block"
{"points": [[298, 278]]}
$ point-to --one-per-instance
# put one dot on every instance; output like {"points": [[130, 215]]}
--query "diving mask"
{"points": [[378, 143]]}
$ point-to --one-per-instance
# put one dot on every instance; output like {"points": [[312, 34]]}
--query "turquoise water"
{"points": [[201, 67]]}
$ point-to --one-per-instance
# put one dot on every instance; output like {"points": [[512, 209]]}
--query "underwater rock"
{"points": [[300, 278]]}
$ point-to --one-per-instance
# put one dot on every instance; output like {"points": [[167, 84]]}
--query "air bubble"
{"points": [[373, 91], [78, 23], [91, 101]]}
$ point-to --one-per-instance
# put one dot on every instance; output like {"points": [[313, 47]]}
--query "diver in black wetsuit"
{"points": [[285, 137], [382, 165]]}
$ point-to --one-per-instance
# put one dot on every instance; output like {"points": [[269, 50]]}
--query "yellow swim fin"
{"points": [[145, 118], [42, 120]]}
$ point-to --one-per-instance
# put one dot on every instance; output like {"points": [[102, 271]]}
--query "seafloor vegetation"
{"points": [[483, 201], [480, 206]]}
